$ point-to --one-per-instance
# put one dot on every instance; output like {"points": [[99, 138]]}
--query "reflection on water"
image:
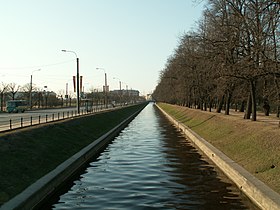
{"points": [[150, 165]]}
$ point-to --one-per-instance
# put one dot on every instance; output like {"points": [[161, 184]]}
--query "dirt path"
{"points": [[272, 119]]}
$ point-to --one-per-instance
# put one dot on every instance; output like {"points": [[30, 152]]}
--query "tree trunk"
{"points": [[236, 107], [278, 95], [197, 106], [210, 105], [242, 106], [201, 104], [228, 99], [220, 105], [254, 103], [215, 103], [2, 101], [248, 112], [266, 107]]}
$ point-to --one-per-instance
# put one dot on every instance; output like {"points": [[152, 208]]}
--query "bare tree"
{"points": [[14, 88], [3, 89], [234, 55]]}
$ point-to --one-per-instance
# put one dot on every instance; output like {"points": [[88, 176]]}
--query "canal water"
{"points": [[151, 165]]}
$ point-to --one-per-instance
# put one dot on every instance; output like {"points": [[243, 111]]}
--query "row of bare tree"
{"points": [[231, 61], [13, 91], [46, 99], [8, 92]]}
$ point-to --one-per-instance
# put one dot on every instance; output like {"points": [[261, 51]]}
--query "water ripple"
{"points": [[150, 165]]}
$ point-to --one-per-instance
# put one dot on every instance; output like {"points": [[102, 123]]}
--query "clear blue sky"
{"points": [[130, 39]]}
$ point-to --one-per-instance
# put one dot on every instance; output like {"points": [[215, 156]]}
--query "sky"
{"points": [[130, 40]]}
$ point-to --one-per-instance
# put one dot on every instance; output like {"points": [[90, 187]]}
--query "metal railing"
{"points": [[32, 120]]}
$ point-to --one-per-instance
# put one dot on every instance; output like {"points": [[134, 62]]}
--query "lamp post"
{"points": [[126, 94], [30, 96], [78, 77], [119, 83], [120, 89], [105, 88]]}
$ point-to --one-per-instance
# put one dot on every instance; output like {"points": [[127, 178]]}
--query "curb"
{"points": [[43, 188], [259, 193]]}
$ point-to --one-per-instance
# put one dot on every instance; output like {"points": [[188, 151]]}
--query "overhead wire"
{"points": [[39, 66]]}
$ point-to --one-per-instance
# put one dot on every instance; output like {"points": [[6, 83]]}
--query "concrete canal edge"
{"points": [[43, 188], [260, 194]]}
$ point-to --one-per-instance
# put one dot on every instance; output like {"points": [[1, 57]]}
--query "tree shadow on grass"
{"points": [[202, 122]]}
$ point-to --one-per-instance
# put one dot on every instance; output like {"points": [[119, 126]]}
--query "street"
{"points": [[32, 117]]}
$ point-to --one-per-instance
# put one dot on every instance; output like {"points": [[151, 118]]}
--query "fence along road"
{"points": [[10, 121]]}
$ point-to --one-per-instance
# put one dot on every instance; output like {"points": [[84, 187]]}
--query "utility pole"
{"points": [[78, 87], [66, 95], [105, 88], [106, 92], [77, 79], [30, 96]]}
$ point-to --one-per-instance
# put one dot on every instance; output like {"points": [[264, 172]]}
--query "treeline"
{"points": [[49, 99], [40, 98], [232, 60]]}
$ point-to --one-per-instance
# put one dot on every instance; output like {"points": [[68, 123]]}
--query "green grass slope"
{"points": [[28, 154], [253, 145]]}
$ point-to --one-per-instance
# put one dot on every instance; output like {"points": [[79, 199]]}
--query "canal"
{"points": [[151, 165]]}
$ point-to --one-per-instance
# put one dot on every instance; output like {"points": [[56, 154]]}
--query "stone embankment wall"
{"points": [[37, 193], [263, 196]]}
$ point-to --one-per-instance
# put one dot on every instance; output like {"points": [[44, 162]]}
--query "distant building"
{"points": [[134, 93]]}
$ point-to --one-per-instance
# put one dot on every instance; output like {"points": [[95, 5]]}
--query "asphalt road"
{"points": [[32, 117]]}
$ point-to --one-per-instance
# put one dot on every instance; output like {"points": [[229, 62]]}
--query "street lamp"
{"points": [[126, 94], [78, 77], [105, 88], [119, 83], [120, 93], [30, 97]]}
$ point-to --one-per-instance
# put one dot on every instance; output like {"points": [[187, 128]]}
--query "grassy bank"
{"points": [[28, 154], [253, 145]]}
